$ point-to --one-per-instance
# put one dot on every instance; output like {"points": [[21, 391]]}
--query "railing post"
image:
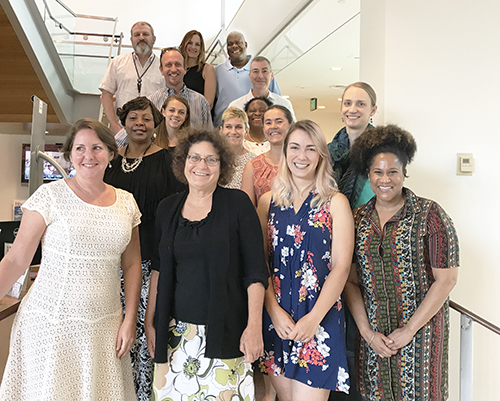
{"points": [[466, 354]]}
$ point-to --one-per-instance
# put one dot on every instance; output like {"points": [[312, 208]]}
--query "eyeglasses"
{"points": [[209, 160]]}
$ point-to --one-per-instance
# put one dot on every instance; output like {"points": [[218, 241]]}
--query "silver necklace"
{"points": [[131, 167]]}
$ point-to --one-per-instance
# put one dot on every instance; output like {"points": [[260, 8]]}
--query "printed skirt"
{"points": [[189, 375]]}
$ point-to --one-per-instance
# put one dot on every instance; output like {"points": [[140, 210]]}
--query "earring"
{"points": [[371, 120], [109, 165]]}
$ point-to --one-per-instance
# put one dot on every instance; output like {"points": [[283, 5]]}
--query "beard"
{"points": [[143, 50]]}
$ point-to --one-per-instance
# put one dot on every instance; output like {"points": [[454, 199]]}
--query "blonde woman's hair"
{"points": [[283, 187], [235, 112]]}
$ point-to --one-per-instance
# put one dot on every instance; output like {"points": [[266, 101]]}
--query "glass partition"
{"points": [[320, 20], [83, 42]]}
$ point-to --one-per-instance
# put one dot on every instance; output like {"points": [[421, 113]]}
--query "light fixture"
{"points": [[339, 99], [285, 96], [321, 107], [336, 68]]}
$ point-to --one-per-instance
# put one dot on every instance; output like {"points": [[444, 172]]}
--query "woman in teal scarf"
{"points": [[359, 104]]}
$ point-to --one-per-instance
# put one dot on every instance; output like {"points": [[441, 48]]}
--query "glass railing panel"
{"points": [[60, 22], [320, 20], [83, 43]]}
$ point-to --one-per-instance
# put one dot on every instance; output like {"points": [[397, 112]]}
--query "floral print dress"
{"points": [[299, 246]]}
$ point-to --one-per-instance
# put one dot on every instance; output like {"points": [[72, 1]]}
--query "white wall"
{"points": [[436, 68]]}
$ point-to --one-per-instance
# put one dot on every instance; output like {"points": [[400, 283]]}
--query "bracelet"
{"points": [[373, 336]]}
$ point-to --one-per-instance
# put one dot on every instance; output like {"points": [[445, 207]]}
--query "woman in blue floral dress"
{"points": [[310, 243]]}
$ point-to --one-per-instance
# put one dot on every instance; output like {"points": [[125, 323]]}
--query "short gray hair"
{"points": [[142, 23]]}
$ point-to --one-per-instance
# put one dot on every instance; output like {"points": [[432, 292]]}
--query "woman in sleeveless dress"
{"points": [[259, 172], [70, 339], [200, 76], [234, 128], [310, 241]]}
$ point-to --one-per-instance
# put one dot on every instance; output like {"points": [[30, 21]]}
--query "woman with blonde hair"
{"points": [[177, 116], [200, 76], [309, 230], [234, 128]]}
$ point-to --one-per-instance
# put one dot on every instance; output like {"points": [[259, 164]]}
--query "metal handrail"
{"points": [[476, 318], [62, 26]]}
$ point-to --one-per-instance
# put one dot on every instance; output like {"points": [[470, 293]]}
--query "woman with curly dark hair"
{"points": [[204, 316], [255, 141], [406, 251]]}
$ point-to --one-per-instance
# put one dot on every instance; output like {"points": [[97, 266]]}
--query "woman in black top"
{"points": [[144, 169], [204, 316], [200, 76]]}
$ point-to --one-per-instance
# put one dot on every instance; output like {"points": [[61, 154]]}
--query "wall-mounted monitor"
{"points": [[49, 171]]}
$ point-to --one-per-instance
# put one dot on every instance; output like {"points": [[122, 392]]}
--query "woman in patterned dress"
{"points": [[234, 127], [407, 263], [70, 340], [259, 172], [310, 241]]}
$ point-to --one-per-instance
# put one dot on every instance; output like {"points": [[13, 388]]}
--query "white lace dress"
{"points": [[63, 337]]}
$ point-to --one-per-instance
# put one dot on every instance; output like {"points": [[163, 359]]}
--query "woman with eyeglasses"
{"points": [[204, 314], [406, 252]]}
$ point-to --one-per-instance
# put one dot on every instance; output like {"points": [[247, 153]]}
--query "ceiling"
{"points": [[18, 80]]}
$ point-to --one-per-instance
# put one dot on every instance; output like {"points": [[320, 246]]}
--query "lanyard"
{"points": [[139, 77]]}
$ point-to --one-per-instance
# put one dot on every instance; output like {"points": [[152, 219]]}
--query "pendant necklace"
{"points": [[139, 77], [130, 167]]}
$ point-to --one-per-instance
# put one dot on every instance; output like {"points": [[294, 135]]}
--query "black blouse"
{"points": [[234, 254], [194, 79], [152, 181], [191, 270]]}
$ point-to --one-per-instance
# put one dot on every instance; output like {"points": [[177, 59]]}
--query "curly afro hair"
{"points": [[382, 139]]}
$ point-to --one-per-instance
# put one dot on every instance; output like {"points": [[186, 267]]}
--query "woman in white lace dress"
{"points": [[70, 340]]}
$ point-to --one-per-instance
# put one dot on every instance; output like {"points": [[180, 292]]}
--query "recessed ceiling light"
{"points": [[321, 107], [339, 99], [336, 68]]}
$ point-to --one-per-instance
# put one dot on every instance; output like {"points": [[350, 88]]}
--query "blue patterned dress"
{"points": [[299, 247]]}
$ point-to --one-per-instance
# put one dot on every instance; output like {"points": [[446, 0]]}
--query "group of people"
{"points": [[153, 248], [183, 71]]}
